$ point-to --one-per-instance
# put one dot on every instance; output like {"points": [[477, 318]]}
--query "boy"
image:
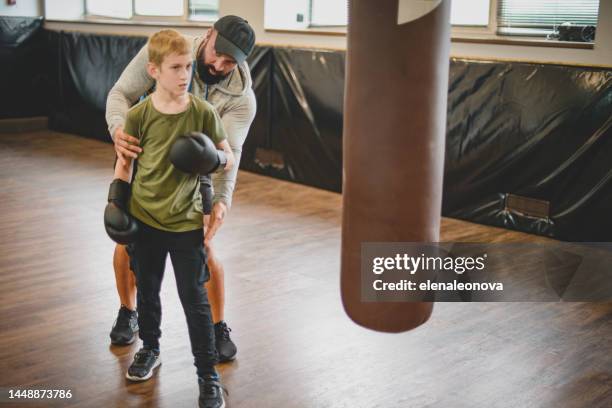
{"points": [[166, 206]]}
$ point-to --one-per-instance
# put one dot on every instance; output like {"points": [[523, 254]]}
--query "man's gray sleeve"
{"points": [[236, 122], [131, 85]]}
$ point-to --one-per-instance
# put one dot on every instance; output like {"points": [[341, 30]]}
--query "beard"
{"points": [[204, 72]]}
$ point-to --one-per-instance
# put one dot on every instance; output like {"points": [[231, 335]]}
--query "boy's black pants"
{"points": [[148, 260]]}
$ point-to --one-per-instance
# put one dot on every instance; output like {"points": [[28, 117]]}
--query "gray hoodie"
{"points": [[233, 98]]}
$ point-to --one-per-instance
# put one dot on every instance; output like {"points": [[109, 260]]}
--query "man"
{"points": [[222, 77]]}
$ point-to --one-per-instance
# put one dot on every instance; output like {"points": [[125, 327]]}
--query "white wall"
{"points": [[253, 10], [283, 13], [24, 8], [64, 9]]}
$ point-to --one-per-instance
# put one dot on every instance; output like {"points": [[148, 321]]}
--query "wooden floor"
{"points": [[280, 246]]}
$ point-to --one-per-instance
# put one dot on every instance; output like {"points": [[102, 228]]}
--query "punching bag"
{"points": [[393, 143]]}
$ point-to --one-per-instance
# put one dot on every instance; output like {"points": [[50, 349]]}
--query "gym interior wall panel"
{"points": [[529, 146], [297, 133], [88, 65], [307, 115], [540, 132], [23, 76], [516, 132], [260, 63]]}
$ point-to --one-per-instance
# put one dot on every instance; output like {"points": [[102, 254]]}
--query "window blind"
{"points": [[546, 14]]}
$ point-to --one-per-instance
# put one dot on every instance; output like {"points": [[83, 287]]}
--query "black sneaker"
{"points": [[145, 361], [225, 346], [211, 393], [125, 327]]}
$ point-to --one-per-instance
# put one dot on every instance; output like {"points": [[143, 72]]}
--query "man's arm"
{"points": [[133, 83], [236, 123]]}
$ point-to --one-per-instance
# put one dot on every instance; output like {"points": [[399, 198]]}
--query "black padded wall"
{"points": [[87, 66], [298, 129], [540, 132], [529, 146], [23, 68]]}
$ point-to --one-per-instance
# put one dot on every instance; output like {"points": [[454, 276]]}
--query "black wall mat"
{"points": [[89, 65], [298, 129], [529, 146], [536, 131], [23, 75], [516, 132]]}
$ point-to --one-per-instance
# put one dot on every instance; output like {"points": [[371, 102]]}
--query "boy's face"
{"points": [[174, 73]]}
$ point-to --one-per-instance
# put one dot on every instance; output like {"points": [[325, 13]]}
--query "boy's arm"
{"points": [[120, 226], [124, 168]]}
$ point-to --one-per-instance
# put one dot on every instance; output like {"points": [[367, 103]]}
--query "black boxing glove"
{"points": [[120, 226], [207, 193], [195, 153]]}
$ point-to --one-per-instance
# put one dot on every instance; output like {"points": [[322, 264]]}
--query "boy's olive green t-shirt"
{"points": [[162, 196]]}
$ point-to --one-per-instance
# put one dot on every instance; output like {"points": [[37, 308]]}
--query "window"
{"points": [[141, 10], [203, 10], [565, 20], [575, 18], [300, 14], [158, 7]]}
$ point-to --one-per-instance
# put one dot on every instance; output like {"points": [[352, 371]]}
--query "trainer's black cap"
{"points": [[235, 38]]}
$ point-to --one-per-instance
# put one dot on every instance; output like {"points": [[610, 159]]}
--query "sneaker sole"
{"points": [[146, 377], [221, 406], [124, 343], [227, 360]]}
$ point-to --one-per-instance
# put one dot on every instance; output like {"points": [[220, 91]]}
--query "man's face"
{"points": [[174, 73], [216, 66]]}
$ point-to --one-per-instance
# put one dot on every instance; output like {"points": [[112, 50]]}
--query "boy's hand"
{"points": [[216, 220], [126, 146]]}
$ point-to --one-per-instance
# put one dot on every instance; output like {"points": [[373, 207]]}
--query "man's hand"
{"points": [[215, 221], [126, 145]]}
